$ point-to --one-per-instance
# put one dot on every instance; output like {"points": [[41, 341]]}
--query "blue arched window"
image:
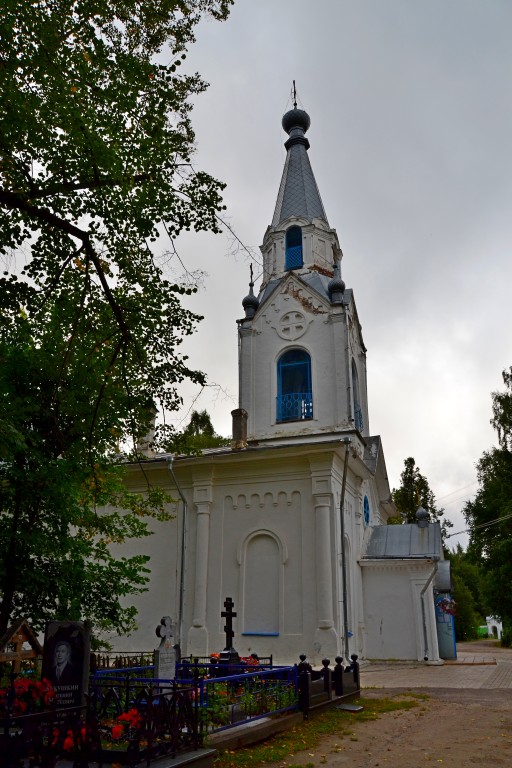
{"points": [[294, 394], [294, 248]]}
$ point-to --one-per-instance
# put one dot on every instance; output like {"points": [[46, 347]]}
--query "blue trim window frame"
{"points": [[293, 242], [294, 391]]}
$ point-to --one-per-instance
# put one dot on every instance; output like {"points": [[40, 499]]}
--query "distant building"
{"points": [[262, 518], [494, 627]]}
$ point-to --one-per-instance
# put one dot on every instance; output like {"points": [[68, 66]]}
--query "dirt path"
{"points": [[455, 727], [449, 728]]}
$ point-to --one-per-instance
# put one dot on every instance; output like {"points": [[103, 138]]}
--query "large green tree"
{"points": [[95, 146], [415, 491], [489, 514], [197, 435]]}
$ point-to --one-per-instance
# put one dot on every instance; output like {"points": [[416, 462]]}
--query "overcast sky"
{"points": [[411, 129]]}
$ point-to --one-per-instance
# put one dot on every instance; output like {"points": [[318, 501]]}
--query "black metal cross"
{"points": [[229, 614]]}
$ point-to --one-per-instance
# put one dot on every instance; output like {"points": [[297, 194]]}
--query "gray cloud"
{"points": [[410, 145]]}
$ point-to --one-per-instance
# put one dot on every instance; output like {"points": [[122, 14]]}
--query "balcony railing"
{"points": [[294, 257], [295, 406]]}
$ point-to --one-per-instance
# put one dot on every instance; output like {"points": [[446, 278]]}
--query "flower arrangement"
{"points": [[26, 696], [448, 605], [127, 725]]}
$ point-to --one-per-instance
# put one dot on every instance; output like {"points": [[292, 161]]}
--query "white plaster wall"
{"points": [[261, 347], [353, 533], [388, 608], [161, 595], [286, 494], [275, 500], [393, 618]]}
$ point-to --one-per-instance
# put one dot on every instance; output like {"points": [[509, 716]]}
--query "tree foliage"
{"points": [[197, 435], [415, 491], [468, 593], [502, 412], [95, 146], [489, 514]]}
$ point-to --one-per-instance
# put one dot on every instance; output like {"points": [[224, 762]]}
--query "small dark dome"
{"points": [[250, 303], [422, 517], [296, 118], [336, 285]]}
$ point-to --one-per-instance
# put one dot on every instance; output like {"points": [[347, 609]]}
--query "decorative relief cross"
{"points": [[292, 325]]}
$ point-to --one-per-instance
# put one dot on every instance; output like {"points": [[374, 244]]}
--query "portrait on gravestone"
{"points": [[66, 660]]}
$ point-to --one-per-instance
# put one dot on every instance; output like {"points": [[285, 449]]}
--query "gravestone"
{"points": [[165, 654], [66, 652]]}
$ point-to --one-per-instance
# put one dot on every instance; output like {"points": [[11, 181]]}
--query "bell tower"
{"points": [[302, 360]]}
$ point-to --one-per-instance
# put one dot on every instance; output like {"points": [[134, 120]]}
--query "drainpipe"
{"points": [[346, 442], [423, 615], [170, 460]]}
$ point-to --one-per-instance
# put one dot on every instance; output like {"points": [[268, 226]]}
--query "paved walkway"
{"points": [[482, 664]]}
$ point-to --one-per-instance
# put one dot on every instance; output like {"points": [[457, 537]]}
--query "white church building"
{"points": [[260, 522]]}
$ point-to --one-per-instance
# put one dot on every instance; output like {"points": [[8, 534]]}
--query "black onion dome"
{"points": [[296, 118], [250, 303], [336, 285]]}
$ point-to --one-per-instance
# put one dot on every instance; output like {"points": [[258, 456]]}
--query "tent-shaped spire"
{"points": [[298, 194]]}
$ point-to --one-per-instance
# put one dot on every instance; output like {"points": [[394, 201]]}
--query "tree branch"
{"points": [[80, 186], [15, 202]]}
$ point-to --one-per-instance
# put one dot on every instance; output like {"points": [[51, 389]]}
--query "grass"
{"points": [[307, 736]]}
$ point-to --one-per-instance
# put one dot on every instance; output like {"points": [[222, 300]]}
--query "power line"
{"points": [[481, 525], [457, 499], [475, 482]]}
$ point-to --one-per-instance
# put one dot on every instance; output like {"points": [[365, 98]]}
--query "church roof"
{"points": [[404, 542], [298, 195]]}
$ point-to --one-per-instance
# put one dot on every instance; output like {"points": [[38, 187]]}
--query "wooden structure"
{"points": [[13, 645]]}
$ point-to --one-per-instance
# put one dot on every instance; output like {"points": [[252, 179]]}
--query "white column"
{"points": [[325, 618], [325, 640], [201, 575], [203, 500]]}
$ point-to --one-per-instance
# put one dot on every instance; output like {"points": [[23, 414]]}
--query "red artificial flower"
{"points": [[132, 718], [21, 686], [117, 731]]}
